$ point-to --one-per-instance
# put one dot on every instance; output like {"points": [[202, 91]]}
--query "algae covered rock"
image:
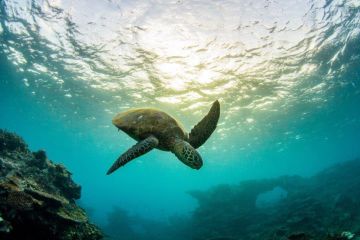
{"points": [[11, 142], [37, 197]]}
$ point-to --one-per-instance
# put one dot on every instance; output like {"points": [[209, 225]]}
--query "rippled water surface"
{"points": [[285, 72]]}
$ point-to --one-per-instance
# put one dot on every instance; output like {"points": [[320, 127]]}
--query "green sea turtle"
{"points": [[153, 128]]}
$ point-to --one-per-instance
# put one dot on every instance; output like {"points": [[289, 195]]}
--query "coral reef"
{"points": [[323, 207], [37, 197]]}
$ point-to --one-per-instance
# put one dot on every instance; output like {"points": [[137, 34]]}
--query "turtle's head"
{"points": [[187, 154]]}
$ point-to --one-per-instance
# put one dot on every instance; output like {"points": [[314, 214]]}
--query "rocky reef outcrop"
{"points": [[323, 207], [37, 196]]}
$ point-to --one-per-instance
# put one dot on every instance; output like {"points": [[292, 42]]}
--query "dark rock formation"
{"points": [[323, 207], [37, 197]]}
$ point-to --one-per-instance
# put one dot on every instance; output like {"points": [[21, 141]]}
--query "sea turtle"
{"points": [[153, 128]]}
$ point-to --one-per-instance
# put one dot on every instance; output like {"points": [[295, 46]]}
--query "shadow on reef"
{"points": [[37, 197], [323, 207]]}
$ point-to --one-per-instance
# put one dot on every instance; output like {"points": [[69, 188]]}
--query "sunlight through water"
{"points": [[255, 56], [275, 66]]}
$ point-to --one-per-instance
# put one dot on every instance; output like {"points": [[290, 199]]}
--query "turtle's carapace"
{"points": [[153, 128]]}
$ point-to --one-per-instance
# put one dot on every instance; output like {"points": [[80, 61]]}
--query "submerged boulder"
{"points": [[37, 196]]}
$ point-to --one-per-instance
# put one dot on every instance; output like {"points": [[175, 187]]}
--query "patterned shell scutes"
{"points": [[143, 122]]}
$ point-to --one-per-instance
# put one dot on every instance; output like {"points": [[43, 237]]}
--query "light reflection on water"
{"points": [[285, 72], [257, 57]]}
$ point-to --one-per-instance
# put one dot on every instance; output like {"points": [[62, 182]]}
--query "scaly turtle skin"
{"points": [[153, 128]]}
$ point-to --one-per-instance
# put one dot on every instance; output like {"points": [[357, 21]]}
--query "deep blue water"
{"points": [[286, 73]]}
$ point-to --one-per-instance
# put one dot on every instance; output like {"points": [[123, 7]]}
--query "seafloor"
{"points": [[37, 201]]}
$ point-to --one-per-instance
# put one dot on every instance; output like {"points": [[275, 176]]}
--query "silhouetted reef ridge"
{"points": [[37, 201], [323, 207], [37, 196]]}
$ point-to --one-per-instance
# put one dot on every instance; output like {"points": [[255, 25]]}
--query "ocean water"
{"points": [[286, 74]]}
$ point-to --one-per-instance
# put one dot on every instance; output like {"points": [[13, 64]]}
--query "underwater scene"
{"points": [[180, 119]]}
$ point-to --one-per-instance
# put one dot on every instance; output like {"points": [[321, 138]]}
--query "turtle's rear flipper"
{"points": [[202, 131], [135, 151], [187, 154]]}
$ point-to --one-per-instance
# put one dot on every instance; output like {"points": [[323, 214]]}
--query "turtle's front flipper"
{"points": [[135, 151], [202, 131], [187, 154]]}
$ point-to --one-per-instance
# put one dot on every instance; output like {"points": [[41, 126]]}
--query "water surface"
{"points": [[285, 72]]}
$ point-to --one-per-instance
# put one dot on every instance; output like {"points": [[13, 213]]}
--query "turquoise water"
{"points": [[286, 73]]}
